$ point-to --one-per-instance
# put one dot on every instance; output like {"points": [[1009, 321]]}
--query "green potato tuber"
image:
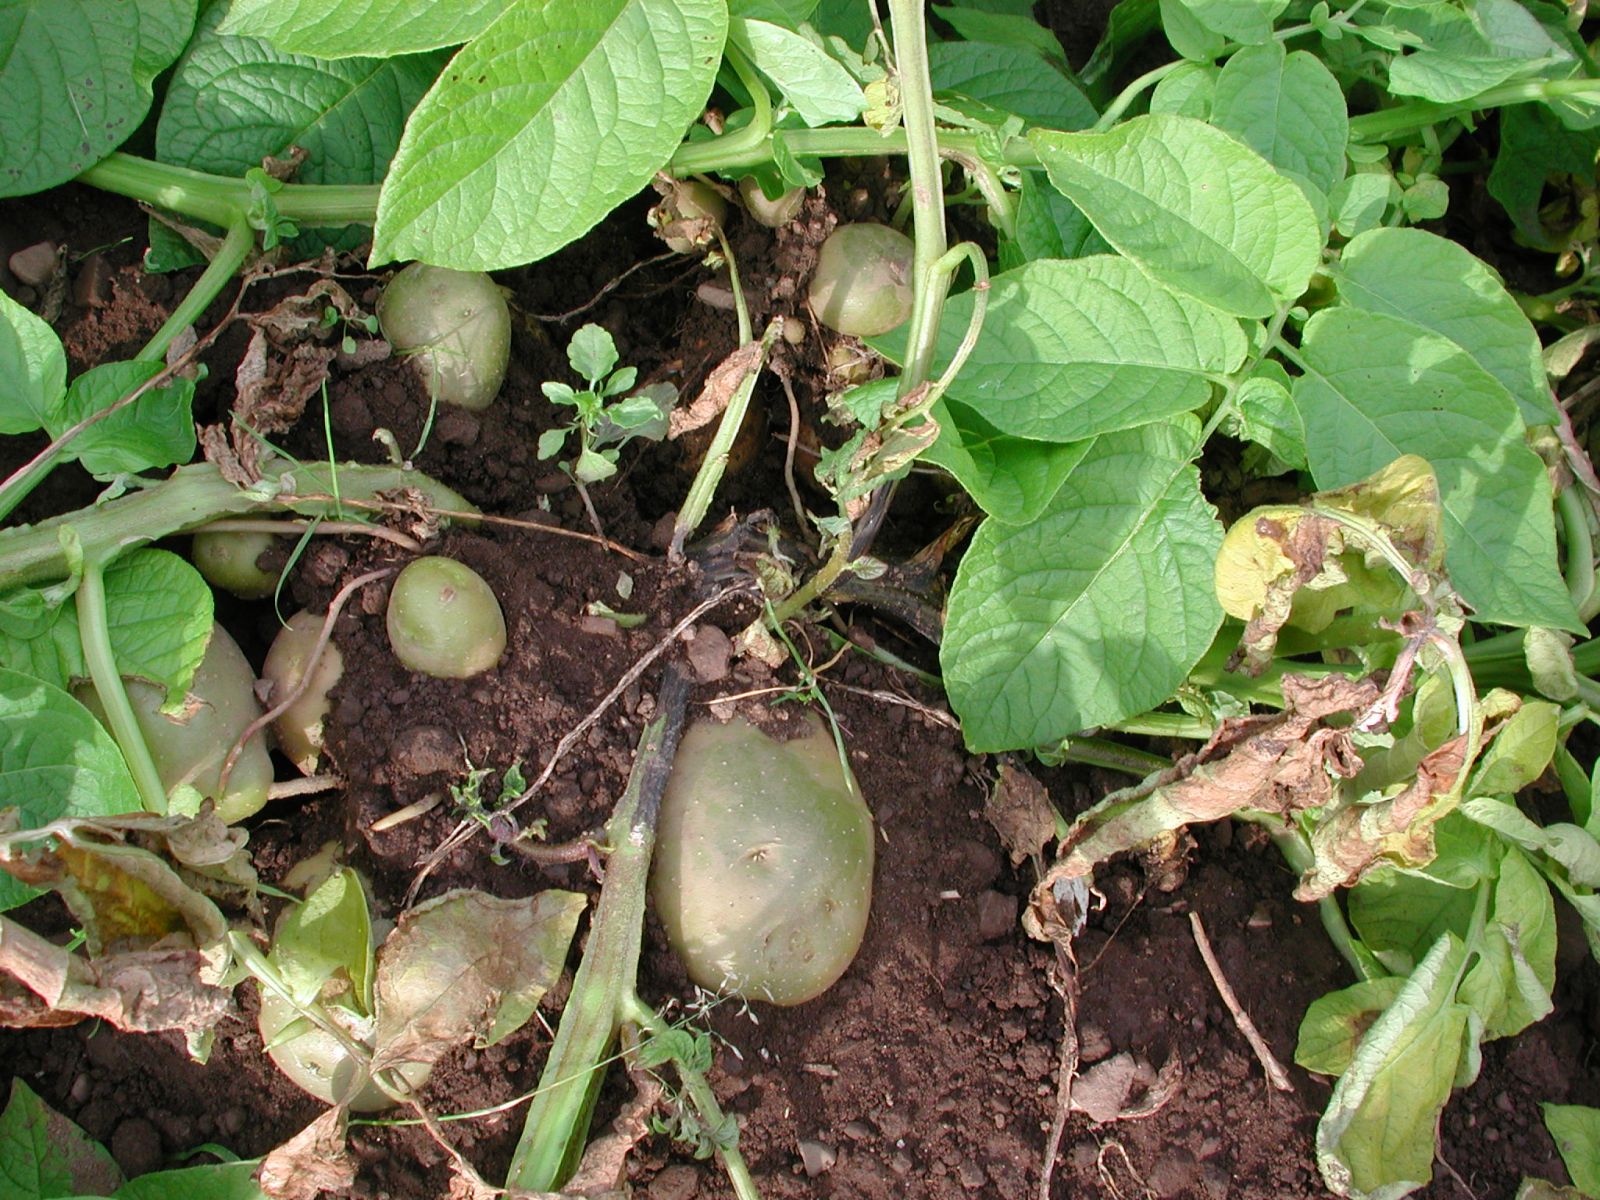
{"points": [[228, 561], [189, 748], [763, 862], [862, 285], [299, 727], [317, 1062], [769, 211], [444, 620], [456, 327]]}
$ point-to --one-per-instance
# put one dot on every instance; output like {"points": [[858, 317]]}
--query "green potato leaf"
{"points": [[1011, 478], [1198, 210], [348, 28], [1470, 49], [816, 85], [1014, 30], [1096, 610], [1247, 21], [331, 932], [1520, 752], [34, 366], [545, 122], [56, 760], [1535, 145], [1287, 108], [1048, 225], [1335, 1024], [1071, 350], [1509, 984], [156, 430], [1576, 1131], [234, 101], [1442, 286], [44, 1155], [158, 615], [1376, 1138], [1016, 80], [1573, 848], [1376, 387], [77, 75]]}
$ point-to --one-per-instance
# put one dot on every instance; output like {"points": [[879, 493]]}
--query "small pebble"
{"points": [[858, 1131], [710, 654], [426, 750], [35, 264], [972, 1176], [892, 1123], [997, 915], [816, 1157], [92, 287], [1093, 1044], [82, 1087]]}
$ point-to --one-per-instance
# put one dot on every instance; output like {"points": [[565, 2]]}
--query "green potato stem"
{"points": [[556, 1126], [95, 635]]}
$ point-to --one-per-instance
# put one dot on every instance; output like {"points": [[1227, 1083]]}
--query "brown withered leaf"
{"points": [[286, 362], [274, 382], [313, 1162], [1278, 762], [1355, 838], [138, 991], [468, 965], [239, 464], [717, 390], [1019, 809]]}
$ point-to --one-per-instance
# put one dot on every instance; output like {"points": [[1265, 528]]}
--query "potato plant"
{"points": [[1224, 252]]}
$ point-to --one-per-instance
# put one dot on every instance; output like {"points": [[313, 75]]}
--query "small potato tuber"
{"points": [[768, 211], [444, 620], [189, 747], [455, 326], [299, 727], [228, 561], [862, 285], [763, 862]]}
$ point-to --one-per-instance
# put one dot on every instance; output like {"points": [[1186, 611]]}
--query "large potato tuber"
{"points": [[763, 864]]}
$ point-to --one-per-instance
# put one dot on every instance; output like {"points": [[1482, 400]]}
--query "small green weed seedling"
{"points": [[602, 420]]}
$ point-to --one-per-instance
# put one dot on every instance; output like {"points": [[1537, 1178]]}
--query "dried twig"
{"points": [[326, 528], [1066, 1070], [299, 689], [1276, 1075], [561, 318], [466, 829], [788, 451]]}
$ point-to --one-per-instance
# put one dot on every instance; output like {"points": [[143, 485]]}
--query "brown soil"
{"points": [[930, 1070]]}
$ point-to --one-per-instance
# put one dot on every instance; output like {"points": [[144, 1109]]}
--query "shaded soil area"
{"points": [[931, 1069]]}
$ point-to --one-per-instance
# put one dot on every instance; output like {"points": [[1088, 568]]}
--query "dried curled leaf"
{"points": [[155, 943], [1301, 565], [1283, 762], [468, 965], [313, 1162], [1019, 809]]}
